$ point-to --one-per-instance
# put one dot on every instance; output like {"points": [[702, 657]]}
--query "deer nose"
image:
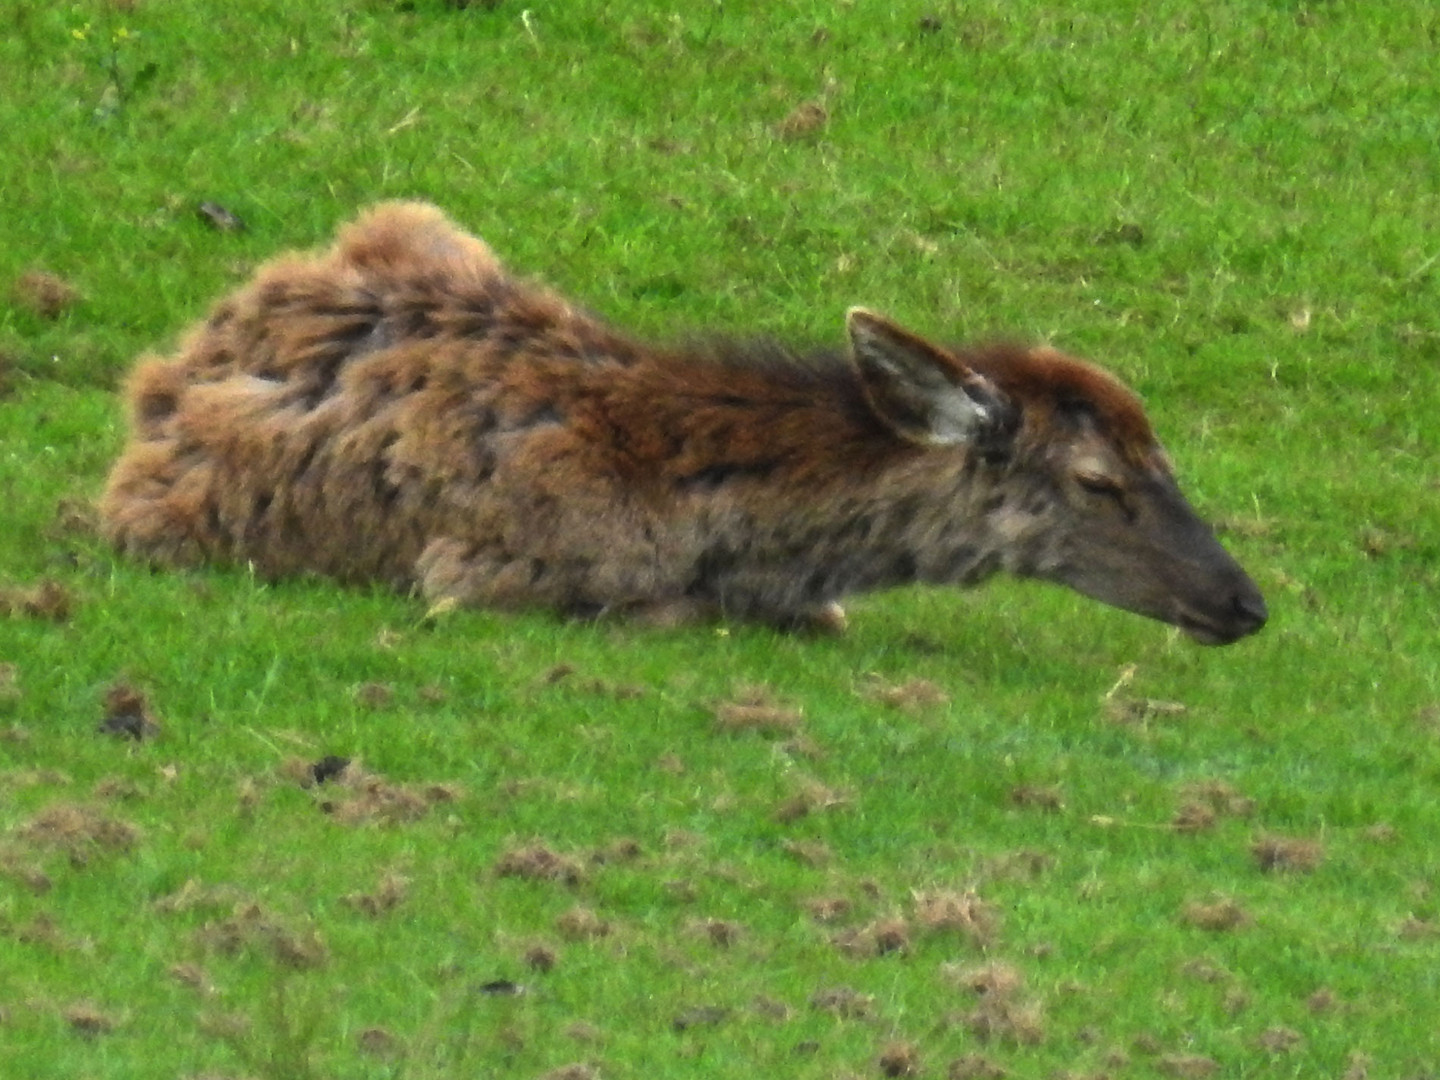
{"points": [[1250, 607]]}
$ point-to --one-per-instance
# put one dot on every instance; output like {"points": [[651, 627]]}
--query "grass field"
{"points": [[998, 833]]}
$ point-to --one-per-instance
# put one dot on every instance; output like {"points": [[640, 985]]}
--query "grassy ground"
{"points": [[1001, 833]]}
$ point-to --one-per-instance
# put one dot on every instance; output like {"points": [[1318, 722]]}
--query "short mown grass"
{"points": [[1003, 833]]}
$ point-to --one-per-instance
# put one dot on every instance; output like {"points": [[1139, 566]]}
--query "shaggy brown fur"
{"points": [[401, 408]]}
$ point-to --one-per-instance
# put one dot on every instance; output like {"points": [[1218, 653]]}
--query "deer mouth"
{"points": [[1246, 616]]}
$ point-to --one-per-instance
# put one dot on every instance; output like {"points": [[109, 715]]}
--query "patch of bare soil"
{"points": [[1002, 1013], [49, 600], [700, 1016], [44, 294], [128, 713], [755, 708], [806, 119]]}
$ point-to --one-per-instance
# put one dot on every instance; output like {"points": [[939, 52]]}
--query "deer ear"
{"points": [[921, 392]]}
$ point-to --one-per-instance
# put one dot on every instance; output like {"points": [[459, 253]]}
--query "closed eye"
{"points": [[1096, 484]]}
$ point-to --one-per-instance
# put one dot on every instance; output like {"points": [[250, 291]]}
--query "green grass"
{"points": [[1235, 206]]}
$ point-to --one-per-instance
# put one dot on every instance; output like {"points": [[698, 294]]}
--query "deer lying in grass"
{"points": [[400, 408]]}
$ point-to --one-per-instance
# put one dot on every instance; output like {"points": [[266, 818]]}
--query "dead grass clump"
{"points": [[809, 852], [541, 958], [49, 601], [900, 1059], [536, 862], [810, 796], [375, 695], [828, 909], [377, 1042], [25, 873], [44, 294], [1221, 797], [993, 980], [249, 927], [357, 797], [1279, 854], [575, 1071], [964, 913], [128, 713], [844, 1002], [1218, 915], [582, 924], [1000, 1019], [976, 1067], [193, 976], [754, 708], [1279, 1040], [88, 1020], [879, 938], [1321, 1001], [700, 1016], [911, 696], [389, 894], [1193, 817], [79, 832], [1037, 797], [806, 119], [722, 933], [1188, 1066]]}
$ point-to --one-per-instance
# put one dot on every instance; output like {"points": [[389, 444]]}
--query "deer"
{"points": [[399, 408]]}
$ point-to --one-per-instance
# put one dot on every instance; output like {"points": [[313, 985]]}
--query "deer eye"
{"points": [[1105, 487], [1099, 484]]}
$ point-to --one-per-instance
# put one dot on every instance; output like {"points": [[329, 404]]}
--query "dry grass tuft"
{"points": [[754, 708], [353, 796], [1188, 1066], [50, 601], [536, 862], [128, 713], [964, 913], [809, 852], [1037, 797], [810, 796], [844, 1002], [377, 1042], [582, 924], [1279, 1040], [911, 696], [249, 927], [1194, 817], [44, 294], [541, 958], [806, 119], [900, 1059], [993, 980], [389, 894], [1279, 854], [79, 832], [88, 1020], [1220, 797], [576, 1071], [828, 909], [976, 1067], [375, 695], [999, 1019], [1221, 914]]}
